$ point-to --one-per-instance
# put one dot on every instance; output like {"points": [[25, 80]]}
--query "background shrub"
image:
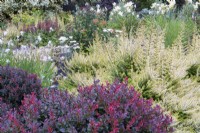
{"points": [[27, 17], [87, 23], [141, 4], [46, 30], [194, 72], [9, 7], [15, 83]]}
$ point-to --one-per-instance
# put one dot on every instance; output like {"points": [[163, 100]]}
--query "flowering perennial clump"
{"points": [[96, 108], [45, 26], [162, 8]]}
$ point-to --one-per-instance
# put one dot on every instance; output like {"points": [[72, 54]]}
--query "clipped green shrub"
{"points": [[194, 72], [28, 17], [124, 67], [146, 89], [24, 18]]}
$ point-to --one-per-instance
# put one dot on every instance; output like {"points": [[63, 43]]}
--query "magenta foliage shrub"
{"points": [[45, 26], [15, 83], [97, 108], [3, 107]]}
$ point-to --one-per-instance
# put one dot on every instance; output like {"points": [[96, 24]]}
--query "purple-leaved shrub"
{"points": [[15, 83], [97, 108]]}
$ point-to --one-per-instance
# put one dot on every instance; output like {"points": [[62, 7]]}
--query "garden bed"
{"points": [[50, 61]]}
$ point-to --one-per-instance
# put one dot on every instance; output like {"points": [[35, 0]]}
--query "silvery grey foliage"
{"points": [[33, 3], [8, 7]]}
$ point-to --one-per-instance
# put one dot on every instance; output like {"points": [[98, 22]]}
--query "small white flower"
{"points": [[70, 37], [98, 10], [150, 12], [153, 5], [62, 39], [49, 43], [118, 31], [172, 3], [62, 58], [105, 30], [162, 12], [66, 46], [17, 38], [189, 1], [33, 2], [76, 47], [128, 4], [111, 14], [39, 38], [7, 61], [44, 58], [23, 47], [110, 30], [45, 3], [117, 8], [98, 6], [5, 33], [1, 41], [36, 42], [120, 13], [91, 9], [7, 50], [193, 16], [114, 4], [138, 16], [72, 41], [49, 58], [10, 43], [51, 29], [42, 77], [196, 5], [159, 8], [106, 9], [128, 10], [21, 33]]}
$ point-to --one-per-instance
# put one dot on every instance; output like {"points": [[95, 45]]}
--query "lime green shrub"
{"points": [[194, 72]]}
